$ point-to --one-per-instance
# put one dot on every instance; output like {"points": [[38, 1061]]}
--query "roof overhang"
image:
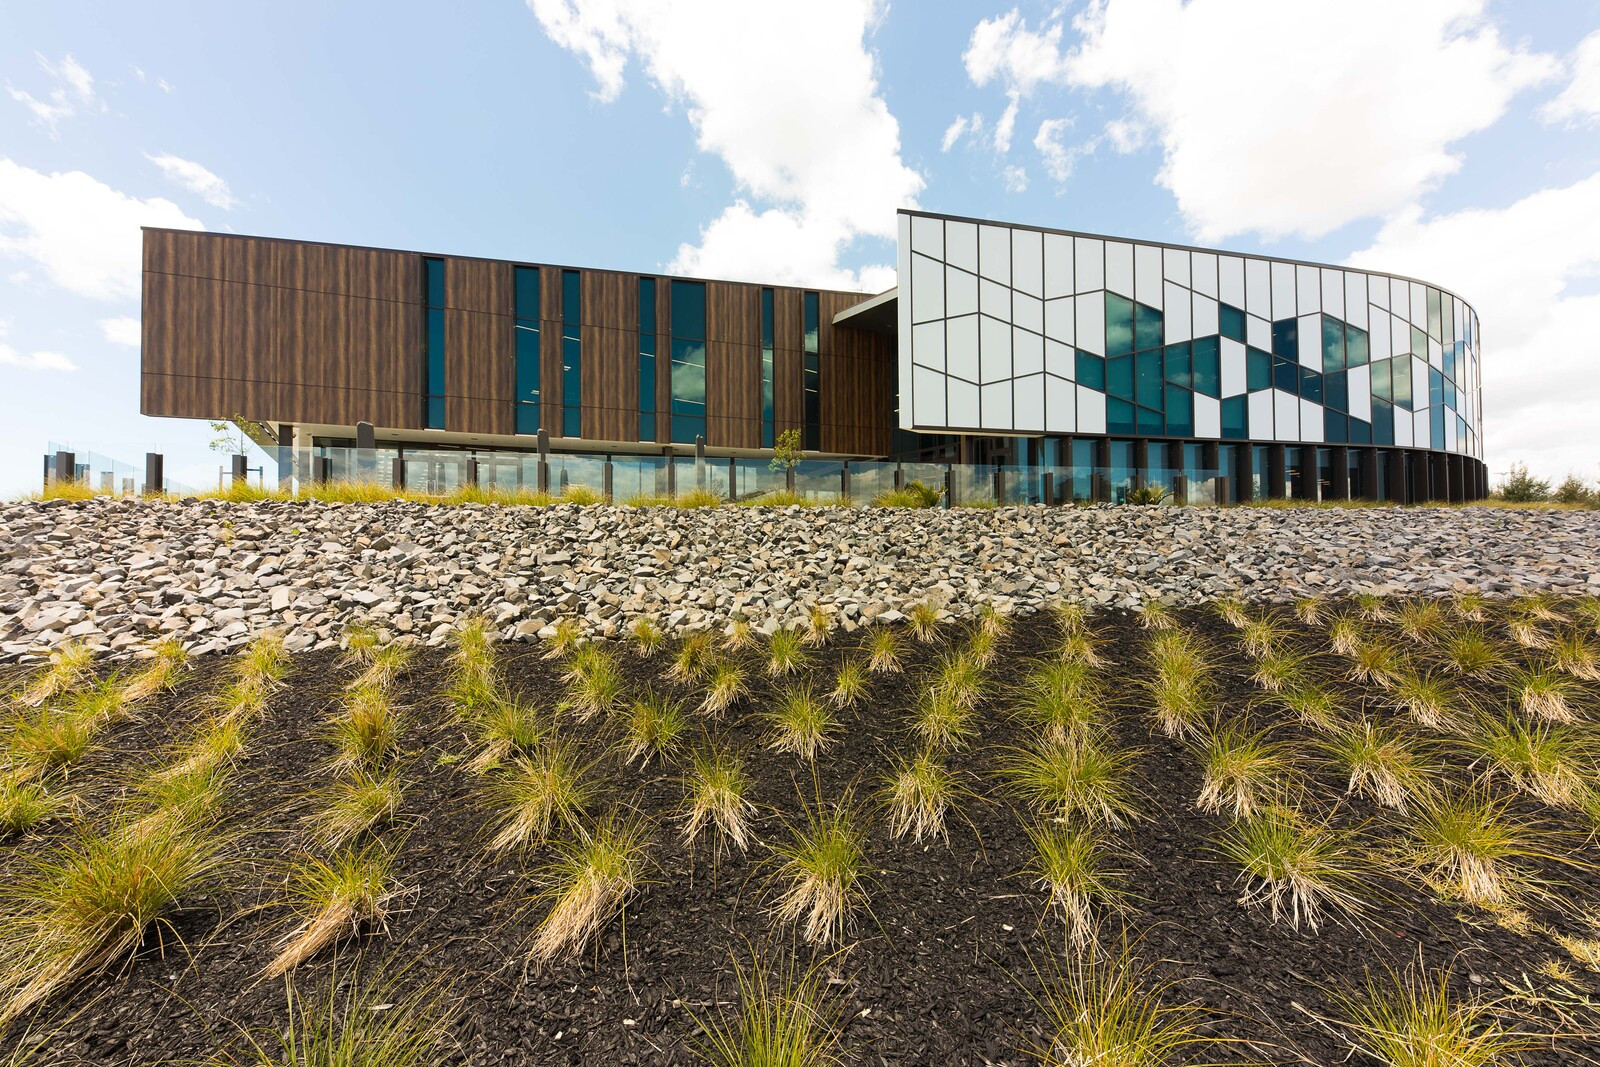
{"points": [[881, 314]]}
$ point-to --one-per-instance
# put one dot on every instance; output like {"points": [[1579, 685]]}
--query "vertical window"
{"points": [[433, 342], [526, 292], [647, 359], [571, 354], [767, 333], [812, 437], [688, 361]]}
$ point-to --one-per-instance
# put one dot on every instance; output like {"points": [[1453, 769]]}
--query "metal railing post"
{"points": [[155, 473]]}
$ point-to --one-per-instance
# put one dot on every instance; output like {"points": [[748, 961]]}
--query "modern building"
{"points": [[1107, 361]]}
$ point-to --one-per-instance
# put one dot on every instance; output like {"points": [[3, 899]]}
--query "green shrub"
{"points": [[1573, 491], [912, 495], [1520, 487], [1149, 494]]}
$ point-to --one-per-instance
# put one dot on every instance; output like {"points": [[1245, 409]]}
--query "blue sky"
{"points": [[1455, 140]]}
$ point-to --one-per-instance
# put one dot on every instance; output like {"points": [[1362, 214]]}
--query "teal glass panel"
{"points": [[1382, 422], [1147, 331], [1147, 378], [433, 343], [685, 428], [1335, 427], [1208, 366], [1119, 325], [1435, 387], [766, 318], [1400, 374], [647, 426], [647, 305], [436, 413], [1286, 375], [1449, 361], [1179, 364], [527, 355], [526, 292], [1257, 369], [1151, 421], [1382, 386], [1091, 370], [1435, 323], [1286, 338], [1310, 385], [1180, 411], [1119, 416], [1230, 320], [1356, 349], [1236, 418], [528, 418], [1119, 377], [1332, 344], [433, 290], [811, 376], [1360, 431], [1336, 390], [689, 310], [571, 299], [1436, 426], [812, 320]]}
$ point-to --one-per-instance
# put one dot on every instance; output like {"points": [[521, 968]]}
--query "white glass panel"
{"points": [[1378, 337], [927, 344], [1258, 332], [927, 236], [961, 347], [1028, 404], [994, 253], [1027, 353], [995, 345], [1308, 287], [1203, 272], [1333, 293], [1419, 383], [1207, 416], [927, 289], [1311, 341], [961, 245], [1360, 379], [1311, 427], [1027, 312], [1177, 320], [1400, 298], [1119, 268], [927, 397], [1355, 299], [1089, 257], [1058, 319], [1421, 433], [1060, 359], [1402, 428], [994, 299], [1060, 406], [1027, 262], [1057, 265], [1233, 367], [1205, 316], [1230, 280], [1092, 323], [996, 406], [1261, 415], [1378, 290], [1435, 354], [1399, 336], [1091, 410], [1258, 288], [1175, 266], [960, 292], [1419, 306], [1283, 302], [1147, 274], [1285, 415]]}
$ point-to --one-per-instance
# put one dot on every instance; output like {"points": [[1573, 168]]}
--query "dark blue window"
{"points": [[688, 361], [526, 326], [1286, 338], [1091, 370], [1336, 390], [1382, 385], [1311, 385], [647, 359], [1208, 366], [1435, 387], [767, 344], [1236, 418], [1436, 425], [1382, 422], [571, 354], [433, 354], [1180, 411], [1119, 325], [1360, 431], [1286, 375], [1231, 321], [1332, 344], [812, 437], [1258, 369], [1151, 421], [1335, 427]]}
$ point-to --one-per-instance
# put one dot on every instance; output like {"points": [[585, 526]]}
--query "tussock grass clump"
{"points": [[1109, 1010], [502, 730], [959, 677], [1572, 654], [919, 793], [786, 653], [726, 686], [1426, 698], [819, 621], [800, 724], [69, 665], [532, 796], [1544, 694], [1471, 653], [1413, 1021], [821, 870], [1073, 866], [48, 737], [1380, 764], [334, 899], [216, 746], [1061, 702], [595, 684], [354, 806], [1377, 662], [1372, 607], [1262, 637], [1469, 846], [849, 684], [472, 646], [654, 729], [566, 637], [1070, 616], [1278, 671], [1310, 610], [717, 791], [1156, 615], [1240, 771], [1300, 871], [1548, 762], [366, 731], [1180, 691], [588, 884], [163, 672], [25, 805], [942, 720], [1313, 706], [1083, 647], [1420, 620], [923, 619], [647, 635], [1232, 611], [1091, 778], [80, 908], [991, 621], [387, 666], [1344, 636], [784, 1020], [982, 647], [1471, 607], [883, 650], [740, 635], [192, 797], [264, 663]]}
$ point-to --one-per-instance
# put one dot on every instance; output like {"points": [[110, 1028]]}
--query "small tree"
{"points": [[233, 435], [1573, 491], [1520, 487], [786, 451]]}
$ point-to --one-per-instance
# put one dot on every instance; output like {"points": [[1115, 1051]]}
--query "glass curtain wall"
{"points": [[647, 359], [433, 341], [571, 354], [767, 338], [811, 438], [688, 361], [526, 294]]}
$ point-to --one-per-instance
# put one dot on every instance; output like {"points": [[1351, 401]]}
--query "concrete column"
{"points": [[606, 484]]}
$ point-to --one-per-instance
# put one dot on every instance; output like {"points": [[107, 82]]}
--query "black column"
{"points": [[1277, 473], [1339, 473], [1438, 476], [1141, 460], [1102, 472], [1369, 473]]}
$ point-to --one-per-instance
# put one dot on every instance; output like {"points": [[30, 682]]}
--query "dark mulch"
{"points": [[947, 968]]}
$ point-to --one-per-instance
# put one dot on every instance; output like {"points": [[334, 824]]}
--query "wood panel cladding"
{"points": [[288, 331]]}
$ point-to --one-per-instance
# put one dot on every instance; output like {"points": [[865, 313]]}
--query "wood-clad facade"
{"points": [[291, 332]]}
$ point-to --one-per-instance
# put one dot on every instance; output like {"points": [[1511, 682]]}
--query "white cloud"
{"points": [[1281, 118], [195, 178], [83, 234], [1529, 270], [121, 331], [1015, 178], [1580, 100], [74, 92], [1007, 124], [1060, 159], [1125, 136], [802, 129], [961, 126], [10, 357]]}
